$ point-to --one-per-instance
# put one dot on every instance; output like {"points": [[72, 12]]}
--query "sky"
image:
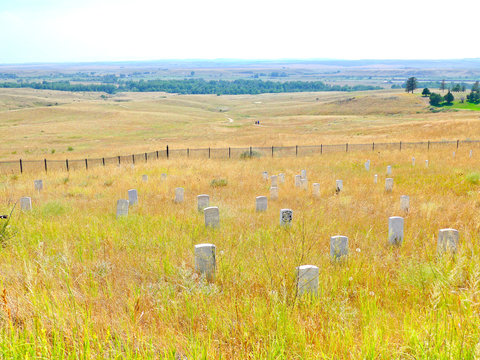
{"points": [[126, 30]]}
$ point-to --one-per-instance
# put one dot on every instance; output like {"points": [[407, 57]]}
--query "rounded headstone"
{"points": [[274, 193], [304, 184], [122, 207], [447, 241], [307, 280], [316, 189], [389, 170], [375, 179], [132, 196], [338, 247], [163, 177], [212, 216], [265, 175], [367, 165], [38, 184], [298, 180], [405, 203], [388, 184], [261, 203], [303, 174], [286, 217], [281, 177], [26, 203], [144, 178], [274, 180], [205, 262], [179, 195], [395, 230], [203, 201]]}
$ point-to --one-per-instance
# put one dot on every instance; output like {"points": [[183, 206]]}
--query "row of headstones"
{"points": [[307, 276]]}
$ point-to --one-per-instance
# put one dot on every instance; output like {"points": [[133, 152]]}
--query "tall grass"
{"points": [[79, 283]]}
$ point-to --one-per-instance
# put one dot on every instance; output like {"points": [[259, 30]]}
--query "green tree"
{"points": [[476, 87], [442, 85], [435, 99], [411, 84], [449, 98], [426, 92]]}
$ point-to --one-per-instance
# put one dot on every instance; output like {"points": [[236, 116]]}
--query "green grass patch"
{"points": [[473, 178]]}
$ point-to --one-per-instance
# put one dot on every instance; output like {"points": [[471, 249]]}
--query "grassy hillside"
{"points": [[51, 124], [79, 283]]}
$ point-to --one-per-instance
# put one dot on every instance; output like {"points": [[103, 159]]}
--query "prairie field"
{"points": [[39, 124], [77, 282]]}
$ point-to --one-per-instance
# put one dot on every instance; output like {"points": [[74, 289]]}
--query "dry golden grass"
{"points": [[141, 122], [79, 283]]}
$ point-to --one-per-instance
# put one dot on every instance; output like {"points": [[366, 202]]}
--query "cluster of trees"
{"points": [[437, 99], [474, 96], [194, 86], [61, 86]]}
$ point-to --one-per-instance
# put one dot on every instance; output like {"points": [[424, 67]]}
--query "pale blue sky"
{"points": [[104, 30]]}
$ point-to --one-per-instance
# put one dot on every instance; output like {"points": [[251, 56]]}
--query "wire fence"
{"points": [[21, 166]]}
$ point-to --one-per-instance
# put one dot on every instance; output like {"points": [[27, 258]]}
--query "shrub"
{"points": [[248, 154], [218, 182], [473, 178], [70, 148]]}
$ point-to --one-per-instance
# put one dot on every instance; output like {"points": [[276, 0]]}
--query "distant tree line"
{"points": [[195, 86]]}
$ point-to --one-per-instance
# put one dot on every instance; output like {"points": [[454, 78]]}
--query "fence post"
{"points": [[272, 151], [346, 147], [428, 146], [157, 154], [209, 153], [45, 161], [133, 159], [250, 151], [321, 148], [400, 146], [66, 163], [146, 157], [229, 152], [86, 164], [296, 150], [373, 146], [457, 143], [118, 159], [103, 161], [21, 166], [167, 152], [188, 152]]}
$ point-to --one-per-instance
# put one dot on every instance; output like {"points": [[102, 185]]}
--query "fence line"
{"points": [[21, 166]]}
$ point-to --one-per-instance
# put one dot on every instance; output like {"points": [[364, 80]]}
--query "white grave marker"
{"points": [[163, 177], [212, 216], [132, 196], [38, 184], [413, 161], [339, 186], [122, 207], [144, 178], [470, 153], [316, 189], [307, 280], [304, 184], [388, 184], [179, 195], [375, 179], [405, 203], [265, 175], [203, 201], [26, 203], [426, 163], [303, 174], [447, 241], [395, 230], [281, 177], [367, 165], [261, 203], [274, 180], [286, 217], [338, 247], [205, 261], [389, 170], [298, 180]]}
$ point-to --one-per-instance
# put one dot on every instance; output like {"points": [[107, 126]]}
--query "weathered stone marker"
{"points": [[274, 180], [453, 155], [447, 241], [316, 189], [304, 184], [307, 280], [389, 170], [395, 230], [470, 153], [179, 195], [286, 217], [26, 203], [38, 184], [375, 179], [203, 201], [303, 174], [338, 247], [426, 163], [261, 203], [274, 193], [388, 184], [212, 216], [413, 161], [163, 177], [405, 203], [281, 177], [339, 186], [122, 207], [265, 175], [132, 196], [367, 165], [205, 261], [144, 178], [298, 180]]}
